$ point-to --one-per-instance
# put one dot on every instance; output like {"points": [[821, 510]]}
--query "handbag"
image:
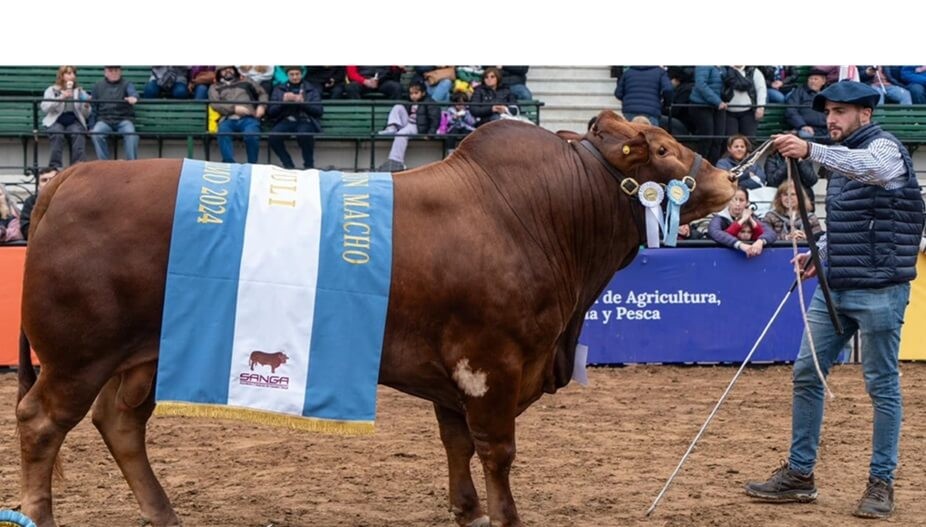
{"points": [[13, 231]]}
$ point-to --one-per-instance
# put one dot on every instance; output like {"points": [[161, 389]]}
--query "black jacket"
{"points": [[311, 109], [428, 117], [484, 98]]}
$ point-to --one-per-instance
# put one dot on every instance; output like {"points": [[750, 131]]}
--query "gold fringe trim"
{"points": [[236, 413]]}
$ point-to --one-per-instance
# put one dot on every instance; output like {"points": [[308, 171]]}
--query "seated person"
{"points": [[365, 80], [45, 176], [9, 218], [491, 100], [739, 212], [738, 146], [809, 123], [169, 81], [409, 119], [784, 208]]}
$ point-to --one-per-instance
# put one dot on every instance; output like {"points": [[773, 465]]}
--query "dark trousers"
{"points": [[709, 121], [742, 123], [306, 142], [76, 136], [392, 90]]}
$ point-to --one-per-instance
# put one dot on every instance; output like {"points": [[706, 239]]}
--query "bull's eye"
{"points": [[663, 151]]}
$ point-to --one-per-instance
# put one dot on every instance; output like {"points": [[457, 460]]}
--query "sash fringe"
{"points": [[306, 424]]}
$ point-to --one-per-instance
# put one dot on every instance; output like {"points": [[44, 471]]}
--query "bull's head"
{"points": [[648, 153]]}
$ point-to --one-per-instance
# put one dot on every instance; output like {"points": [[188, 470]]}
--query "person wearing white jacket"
{"points": [[66, 109], [745, 92]]}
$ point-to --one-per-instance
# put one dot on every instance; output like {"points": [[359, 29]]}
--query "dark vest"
{"points": [[873, 234], [112, 112]]}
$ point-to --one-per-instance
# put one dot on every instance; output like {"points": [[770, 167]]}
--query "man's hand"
{"points": [[791, 146], [242, 110], [801, 259], [760, 113], [131, 100]]}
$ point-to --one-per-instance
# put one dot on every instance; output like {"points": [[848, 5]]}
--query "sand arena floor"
{"points": [[594, 456]]}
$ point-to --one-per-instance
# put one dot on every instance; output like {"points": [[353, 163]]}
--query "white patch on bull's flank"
{"points": [[473, 383]]}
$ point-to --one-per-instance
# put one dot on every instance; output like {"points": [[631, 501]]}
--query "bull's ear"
{"points": [[610, 123]]}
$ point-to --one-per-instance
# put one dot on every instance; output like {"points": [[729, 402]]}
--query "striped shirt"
{"points": [[879, 164]]}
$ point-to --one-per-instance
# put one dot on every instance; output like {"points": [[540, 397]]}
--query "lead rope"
{"points": [[751, 159], [800, 290]]}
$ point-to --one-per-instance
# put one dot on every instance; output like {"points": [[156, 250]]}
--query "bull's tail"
{"points": [[25, 372]]}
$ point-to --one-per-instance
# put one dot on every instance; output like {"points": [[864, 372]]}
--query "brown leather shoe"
{"points": [[877, 501], [785, 485]]}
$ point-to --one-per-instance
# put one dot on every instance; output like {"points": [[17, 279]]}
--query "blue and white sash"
{"points": [[276, 297]]}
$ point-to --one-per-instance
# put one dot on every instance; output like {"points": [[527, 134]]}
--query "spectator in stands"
{"points": [[839, 73], [491, 100], [261, 75], [779, 81], [800, 114], [891, 89], [201, 79], [874, 212], [643, 90], [113, 104], [364, 80], [281, 76], [784, 216], [679, 120], [66, 112], [776, 173], [738, 146], [168, 81], [515, 79], [914, 78], [709, 118], [301, 119], [438, 79], [242, 103], [330, 80], [415, 117], [457, 119], [745, 93], [739, 212], [45, 176], [10, 230]]}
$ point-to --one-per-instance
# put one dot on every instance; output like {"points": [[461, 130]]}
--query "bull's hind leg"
{"points": [[490, 413], [464, 501], [47, 412], [120, 414]]}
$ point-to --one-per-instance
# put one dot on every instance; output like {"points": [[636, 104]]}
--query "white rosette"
{"points": [[651, 196]]}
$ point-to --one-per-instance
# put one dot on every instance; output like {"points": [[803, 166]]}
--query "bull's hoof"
{"points": [[482, 521]]}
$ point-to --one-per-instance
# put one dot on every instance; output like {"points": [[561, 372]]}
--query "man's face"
{"points": [[228, 74], [842, 119], [45, 178], [112, 74], [295, 76], [816, 82]]}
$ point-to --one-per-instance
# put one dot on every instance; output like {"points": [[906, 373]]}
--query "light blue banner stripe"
{"points": [[354, 274], [202, 286]]}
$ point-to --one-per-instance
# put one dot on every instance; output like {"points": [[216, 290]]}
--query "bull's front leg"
{"points": [[464, 501]]}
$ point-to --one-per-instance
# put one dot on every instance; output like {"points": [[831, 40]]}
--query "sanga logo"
{"points": [[274, 360]]}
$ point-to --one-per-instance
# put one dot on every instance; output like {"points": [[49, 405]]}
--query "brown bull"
{"points": [[274, 360], [498, 252]]}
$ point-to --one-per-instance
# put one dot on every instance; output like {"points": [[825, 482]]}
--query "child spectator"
{"points": [[737, 148], [409, 119], [66, 112], [723, 231], [457, 119], [784, 206]]}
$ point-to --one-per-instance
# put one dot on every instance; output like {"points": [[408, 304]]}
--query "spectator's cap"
{"points": [[816, 71], [849, 92], [287, 69]]}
